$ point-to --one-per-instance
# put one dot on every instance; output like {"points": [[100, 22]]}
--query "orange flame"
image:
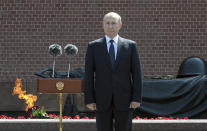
{"points": [[29, 98]]}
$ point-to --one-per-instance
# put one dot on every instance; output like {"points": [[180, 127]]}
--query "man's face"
{"points": [[111, 26]]}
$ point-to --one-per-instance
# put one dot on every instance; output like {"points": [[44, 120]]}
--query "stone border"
{"points": [[90, 125], [93, 121]]}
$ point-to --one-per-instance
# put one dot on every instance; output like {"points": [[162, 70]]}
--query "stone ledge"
{"points": [[90, 125], [93, 121]]}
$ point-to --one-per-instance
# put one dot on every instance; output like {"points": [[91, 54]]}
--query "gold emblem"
{"points": [[59, 85]]}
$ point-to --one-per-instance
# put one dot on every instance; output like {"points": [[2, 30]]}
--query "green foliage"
{"points": [[39, 113]]}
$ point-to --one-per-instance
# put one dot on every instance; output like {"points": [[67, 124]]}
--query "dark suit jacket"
{"points": [[123, 82]]}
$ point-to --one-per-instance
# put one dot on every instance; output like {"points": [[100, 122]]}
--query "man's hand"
{"points": [[134, 105], [91, 106]]}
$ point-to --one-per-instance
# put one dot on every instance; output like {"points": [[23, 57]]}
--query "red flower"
{"points": [[77, 117], [137, 117], [170, 118], [21, 117], [86, 117], [186, 118], [54, 116], [70, 117]]}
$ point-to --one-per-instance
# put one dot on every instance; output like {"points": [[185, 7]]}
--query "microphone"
{"points": [[70, 50], [55, 50]]}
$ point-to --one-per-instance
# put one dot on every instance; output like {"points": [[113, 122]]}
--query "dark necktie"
{"points": [[112, 53]]}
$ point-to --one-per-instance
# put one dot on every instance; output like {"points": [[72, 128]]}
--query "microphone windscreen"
{"points": [[55, 50], [70, 50]]}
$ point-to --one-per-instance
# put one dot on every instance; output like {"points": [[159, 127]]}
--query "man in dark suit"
{"points": [[113, 79]]}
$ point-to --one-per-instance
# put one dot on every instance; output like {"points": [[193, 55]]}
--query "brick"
{"points": [[166, 32]]}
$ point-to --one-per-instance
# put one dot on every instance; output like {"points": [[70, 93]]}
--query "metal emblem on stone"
{"points": [[59, 85]]}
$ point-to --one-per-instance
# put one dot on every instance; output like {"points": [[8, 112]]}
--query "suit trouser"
{"points": [[122, 120]]}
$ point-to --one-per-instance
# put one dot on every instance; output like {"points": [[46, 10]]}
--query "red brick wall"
{"points": [[167, 31]]}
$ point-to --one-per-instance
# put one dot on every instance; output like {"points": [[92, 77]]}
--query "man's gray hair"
{"points": [[114, 15]]}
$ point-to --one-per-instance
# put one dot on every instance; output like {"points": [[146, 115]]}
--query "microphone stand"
{"points": [[60, 98], [53, 68], [69, 67]]}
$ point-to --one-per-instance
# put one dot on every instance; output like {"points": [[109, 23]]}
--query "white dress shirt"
{"points": [[115, 43]]}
